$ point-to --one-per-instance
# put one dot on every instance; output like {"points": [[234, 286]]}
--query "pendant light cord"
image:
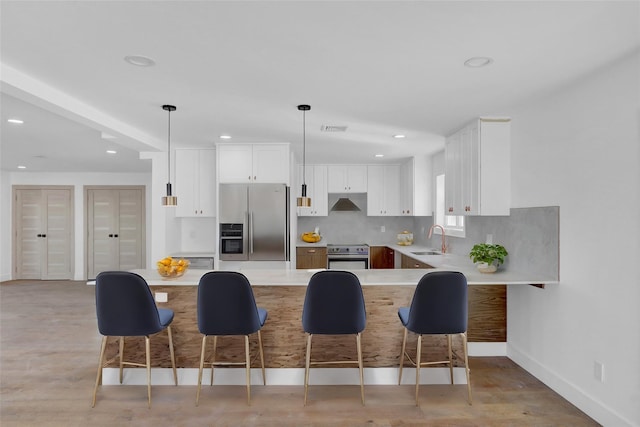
{"points": [[304, 147], [169, 148]]}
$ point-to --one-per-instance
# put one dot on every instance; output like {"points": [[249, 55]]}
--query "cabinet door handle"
{"points": [[311, 251], [110, 235], [115, 235]]}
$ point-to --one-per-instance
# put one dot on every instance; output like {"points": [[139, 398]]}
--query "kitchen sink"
{"points": [[427, 253]]}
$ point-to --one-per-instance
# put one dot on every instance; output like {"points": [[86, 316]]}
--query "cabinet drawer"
{"points": [[408, 262], [311, 257]]}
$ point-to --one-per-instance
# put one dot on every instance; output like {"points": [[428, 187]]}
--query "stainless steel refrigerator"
{"points": [[254, 222]]}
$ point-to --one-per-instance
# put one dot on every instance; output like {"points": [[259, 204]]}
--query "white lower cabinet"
{"points": [[195, 184], [383, 190]]}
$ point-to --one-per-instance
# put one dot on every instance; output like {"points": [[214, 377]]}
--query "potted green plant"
{"points": [[487, 257]]}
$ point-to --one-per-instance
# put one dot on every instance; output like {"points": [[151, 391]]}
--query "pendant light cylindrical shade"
{"points": [[304, 201], [169, 199]]}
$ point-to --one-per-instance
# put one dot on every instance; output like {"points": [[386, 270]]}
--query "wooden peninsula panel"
{"points": [[284, 340]]}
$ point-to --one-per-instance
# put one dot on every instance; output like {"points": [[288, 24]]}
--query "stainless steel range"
{"points": [[348, 256]]}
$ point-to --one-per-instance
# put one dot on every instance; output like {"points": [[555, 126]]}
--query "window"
{"points": [[453, 224]]}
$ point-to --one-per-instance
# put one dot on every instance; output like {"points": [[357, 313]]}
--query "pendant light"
{"points": [[169, 199], [304, 201]]}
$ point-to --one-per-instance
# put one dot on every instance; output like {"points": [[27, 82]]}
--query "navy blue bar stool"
{"points": [[439, 307], [125, 308], [333, 305], [226, 306]]}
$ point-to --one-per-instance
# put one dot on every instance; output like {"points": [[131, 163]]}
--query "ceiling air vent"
{"points": [[333, 128]]}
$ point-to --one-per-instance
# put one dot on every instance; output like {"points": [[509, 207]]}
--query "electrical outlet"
{"points": [[598, 371], [382, 229], [489, 239], [162, 297]]}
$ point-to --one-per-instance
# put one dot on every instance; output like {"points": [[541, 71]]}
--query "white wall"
{"points": [[78, 180], [5, 227], [579, 149]]}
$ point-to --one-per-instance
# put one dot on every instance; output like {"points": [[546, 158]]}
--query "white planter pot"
{"points": [[483, 267]]}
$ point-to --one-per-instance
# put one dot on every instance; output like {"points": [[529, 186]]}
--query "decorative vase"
{"points": [[483, 267]]}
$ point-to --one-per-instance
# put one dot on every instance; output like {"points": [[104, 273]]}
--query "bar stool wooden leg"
{"points": [[103, 347], [418, 365], [264, 378], [173, 356], [121, 354], [358, 343], [248, 364], [466, 366], [202, 353], [306, 369], [213, 358], [450, 358], [404, 344], [147, 347]]}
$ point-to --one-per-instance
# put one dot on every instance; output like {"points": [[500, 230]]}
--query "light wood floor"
{"points": [[49, 351]]}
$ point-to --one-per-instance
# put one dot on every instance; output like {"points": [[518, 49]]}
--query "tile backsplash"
{"points": [[530, 235]]}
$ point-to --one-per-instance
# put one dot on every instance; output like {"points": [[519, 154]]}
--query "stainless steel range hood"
{"points": [[345, 204]]}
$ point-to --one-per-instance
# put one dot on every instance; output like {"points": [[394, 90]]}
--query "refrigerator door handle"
{"points": [[251, 232]]}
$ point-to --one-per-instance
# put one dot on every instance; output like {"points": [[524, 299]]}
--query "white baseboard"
{"points": [[578, 397], [284, 376], [482, 349]]}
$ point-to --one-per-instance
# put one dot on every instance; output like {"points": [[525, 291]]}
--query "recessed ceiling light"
{"points": [[225, 136], [111, 151], [16, 121], [399, 136], [379, 155], [478, 62], [21, 167], [140, 61]]}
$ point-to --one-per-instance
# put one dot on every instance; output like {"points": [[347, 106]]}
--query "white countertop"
{"points": [[286, 277]]}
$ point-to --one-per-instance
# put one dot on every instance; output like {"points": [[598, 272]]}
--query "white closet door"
{"points": [[130, 238], [44, 233], [59, 235], [115, 229]]}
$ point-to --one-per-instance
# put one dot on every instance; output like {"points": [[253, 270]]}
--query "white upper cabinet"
{"points": [[347, 178], [253, 163], [383, 192], [195, 184], [478, 169], [416, 187], [316, 180]]}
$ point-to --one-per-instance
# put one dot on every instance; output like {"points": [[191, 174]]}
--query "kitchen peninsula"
{"points": [[282, 293]]}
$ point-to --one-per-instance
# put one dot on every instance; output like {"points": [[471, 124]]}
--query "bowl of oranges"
{"points": [[172, 267]]}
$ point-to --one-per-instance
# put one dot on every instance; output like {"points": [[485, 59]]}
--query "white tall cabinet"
{"points": [[195, 184], [316, 180], [253, 163], [416, 187], [477, 169], [383, 190]]}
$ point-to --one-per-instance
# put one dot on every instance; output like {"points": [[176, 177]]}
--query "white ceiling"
{"points": [[241, 68]]}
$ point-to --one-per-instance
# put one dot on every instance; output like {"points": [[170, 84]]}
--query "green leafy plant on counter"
{"points": [[484, 252]]}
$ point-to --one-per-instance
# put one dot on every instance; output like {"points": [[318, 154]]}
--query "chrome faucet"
{"points": [[444, 245]]}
